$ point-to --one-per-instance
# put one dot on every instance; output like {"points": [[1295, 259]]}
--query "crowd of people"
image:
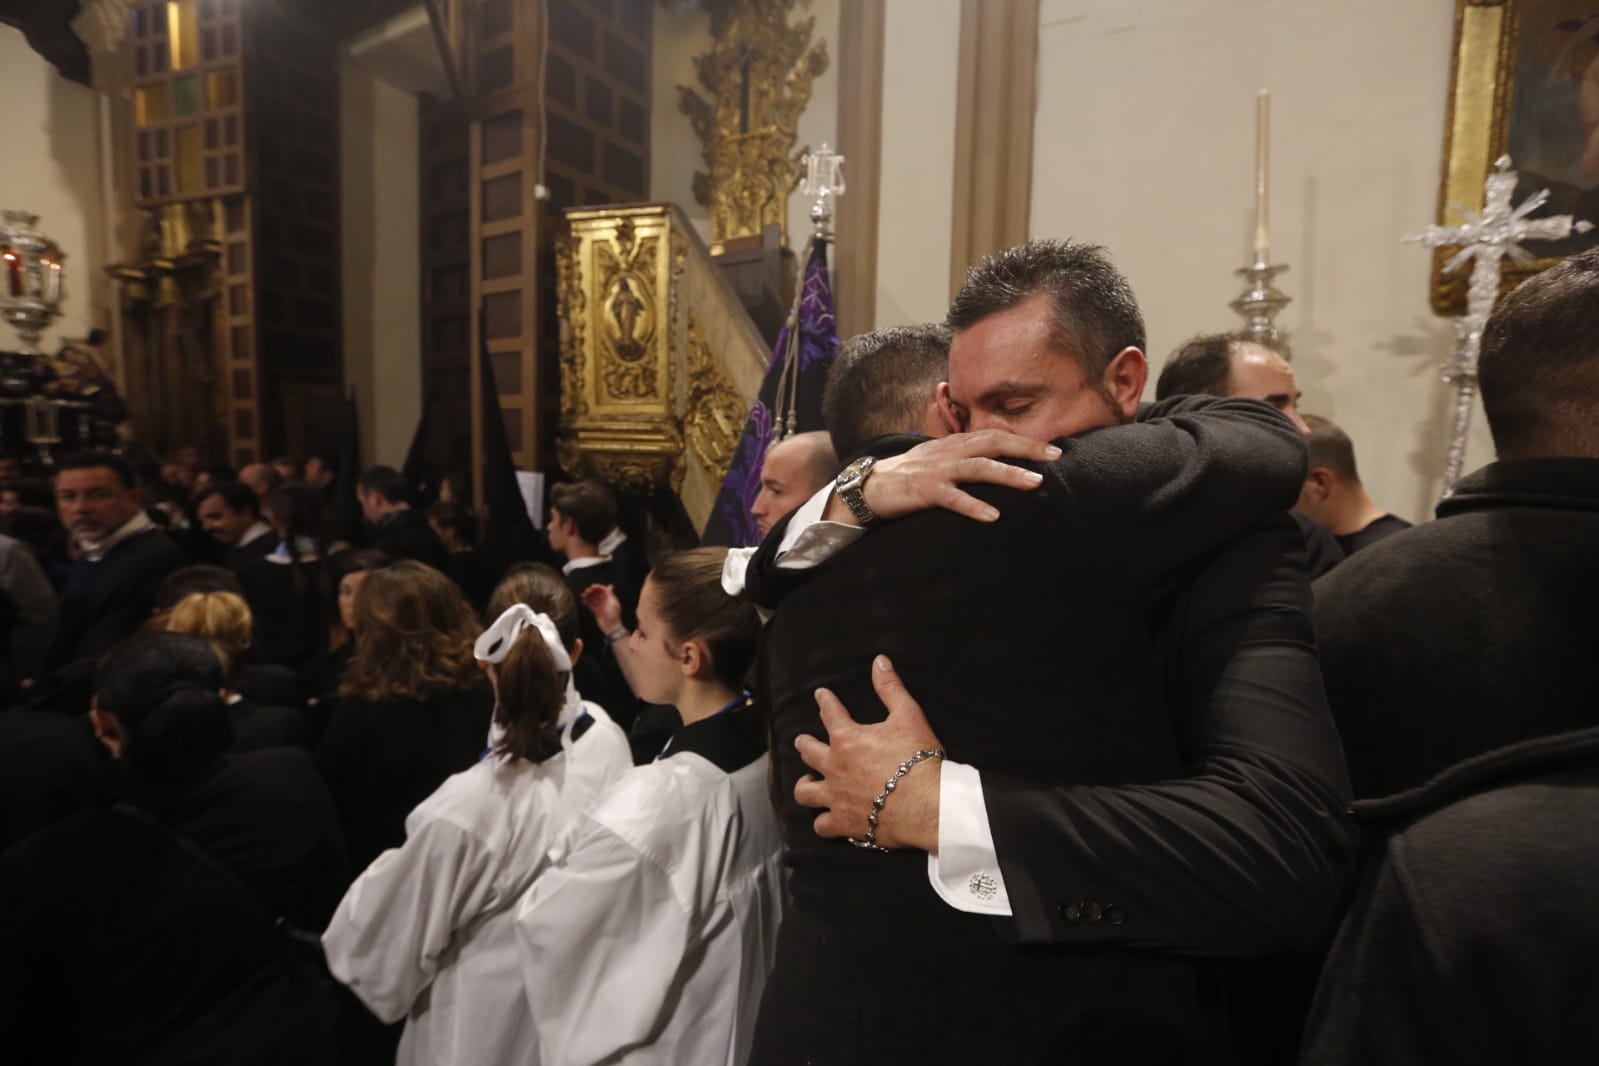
{"points": [[1044, 725]]}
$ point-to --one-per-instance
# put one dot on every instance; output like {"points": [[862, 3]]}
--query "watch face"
{"points": [[853, 474]]}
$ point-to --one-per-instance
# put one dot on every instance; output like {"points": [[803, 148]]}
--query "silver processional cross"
{"points": [[1486, 239]]}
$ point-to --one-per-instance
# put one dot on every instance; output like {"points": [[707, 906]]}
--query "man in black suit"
{"points": [[123, 556], [396, 530], [1233, 364], [1059, 596], [231, 515]]}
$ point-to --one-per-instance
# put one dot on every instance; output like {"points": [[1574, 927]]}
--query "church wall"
{"points": [[381, 249], [1145, 143], [53, 168], [684, 31], [915, 207]]}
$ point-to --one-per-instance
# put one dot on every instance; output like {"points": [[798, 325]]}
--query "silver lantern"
{"points": [[30, 278]]}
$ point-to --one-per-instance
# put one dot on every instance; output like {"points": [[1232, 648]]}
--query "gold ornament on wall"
{"points": [[758, 75], [715, 410], [573, 303], [628, 315]]}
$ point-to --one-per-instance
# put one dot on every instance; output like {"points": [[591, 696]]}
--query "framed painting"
{"points": [[1524, 82]]}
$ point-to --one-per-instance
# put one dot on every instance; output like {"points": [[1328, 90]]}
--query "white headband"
{"points": [[497, 639]]}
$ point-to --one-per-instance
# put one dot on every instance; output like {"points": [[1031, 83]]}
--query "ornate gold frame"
{"points": [[1477, 132]]}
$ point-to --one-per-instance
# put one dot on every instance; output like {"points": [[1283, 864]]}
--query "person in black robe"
{"points": [[394, 528], [149, 929], [107, 596]]}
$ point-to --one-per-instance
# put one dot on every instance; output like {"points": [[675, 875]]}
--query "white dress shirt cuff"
{"points": [[965, 872], [809, 541]]}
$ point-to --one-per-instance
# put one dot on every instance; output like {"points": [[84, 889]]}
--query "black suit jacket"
{"points": [[405, 534], [242, 556], [1469, 633], [100, 606], [597, 675], [992, 625]]}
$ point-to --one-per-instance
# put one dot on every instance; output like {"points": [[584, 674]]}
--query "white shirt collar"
{"points": [[583, 563], [254, 533], [95, 550], [611, 541]]}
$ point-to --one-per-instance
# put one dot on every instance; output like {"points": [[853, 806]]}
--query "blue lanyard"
{"points": [[743, 699]]}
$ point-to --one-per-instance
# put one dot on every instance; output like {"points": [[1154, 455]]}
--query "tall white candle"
{"points": [[1262, 168]]}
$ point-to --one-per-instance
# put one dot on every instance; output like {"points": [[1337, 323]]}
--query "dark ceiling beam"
{"points": [[47, 24]]}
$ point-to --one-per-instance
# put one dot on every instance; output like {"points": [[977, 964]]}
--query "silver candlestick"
{"points": [[1261, 302]]}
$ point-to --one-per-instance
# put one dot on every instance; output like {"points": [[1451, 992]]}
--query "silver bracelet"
{"points": [[870, 841]]}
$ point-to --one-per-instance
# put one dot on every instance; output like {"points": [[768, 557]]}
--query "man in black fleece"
{"points": [[1459, 660]]}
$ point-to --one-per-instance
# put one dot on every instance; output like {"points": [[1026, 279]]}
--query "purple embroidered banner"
{"points": [[730, 522]]}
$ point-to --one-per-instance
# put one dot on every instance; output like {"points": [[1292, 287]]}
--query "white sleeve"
{"points": [[965, 871], [602, 939], [809, 541], [397, 920]]}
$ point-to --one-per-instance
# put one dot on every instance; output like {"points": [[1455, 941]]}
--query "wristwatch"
{"points": [[851, 488]]}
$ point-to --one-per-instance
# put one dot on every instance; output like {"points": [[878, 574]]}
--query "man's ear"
{"points": [[1319, 482], [577, 650], [950, 413], [1124, 378]]}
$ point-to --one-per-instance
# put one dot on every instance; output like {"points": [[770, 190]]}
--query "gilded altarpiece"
{"points": [[757, 79], [658, 360]]}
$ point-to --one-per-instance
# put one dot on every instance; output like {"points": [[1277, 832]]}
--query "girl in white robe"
{"points": [[649, 937], [425, 934]]}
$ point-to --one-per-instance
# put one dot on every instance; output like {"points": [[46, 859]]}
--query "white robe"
{"points": [[426, 932], [649, 938]]}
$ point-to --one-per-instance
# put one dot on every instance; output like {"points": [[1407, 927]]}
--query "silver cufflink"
{"points": [[983, 886]]}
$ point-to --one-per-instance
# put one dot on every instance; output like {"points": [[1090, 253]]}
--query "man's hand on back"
{"points": [[859, 759], [929, 475]]}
